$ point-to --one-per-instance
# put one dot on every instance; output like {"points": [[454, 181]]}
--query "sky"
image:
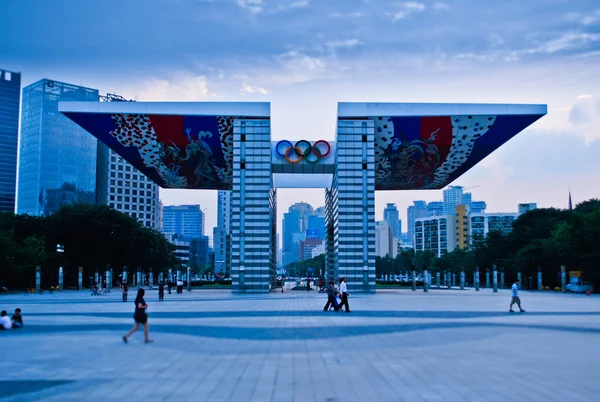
{"points": [[304, 56]]}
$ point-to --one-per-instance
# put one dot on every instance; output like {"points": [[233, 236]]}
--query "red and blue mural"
{"points": [[429, 152], [193, 152]]}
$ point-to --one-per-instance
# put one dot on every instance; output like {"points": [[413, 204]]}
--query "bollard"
{"points": [[501, 278], [437, 279], [449, 279], [425, 280], [540, 279], [563, 279], [462, 279], [519, 278], [476, 279], [80, 279], [38, 278], [453, 282], [60, 279], [189, 279], [495, 278], [487, 278], [414, 280], [151, 279], [108, 280]]}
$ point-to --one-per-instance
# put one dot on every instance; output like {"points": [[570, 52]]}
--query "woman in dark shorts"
{"points": [[140, 316]]}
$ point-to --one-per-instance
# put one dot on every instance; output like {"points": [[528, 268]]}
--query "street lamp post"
{"points": [[60, 249]]}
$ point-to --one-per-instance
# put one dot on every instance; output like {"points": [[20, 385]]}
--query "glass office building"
{"points": [[10, 93], [57, 162]]}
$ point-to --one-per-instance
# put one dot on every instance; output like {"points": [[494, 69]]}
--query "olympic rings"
{"points": [[303, 150]]}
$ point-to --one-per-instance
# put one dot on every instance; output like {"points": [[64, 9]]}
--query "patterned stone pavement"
{"points": [[397, 345]]}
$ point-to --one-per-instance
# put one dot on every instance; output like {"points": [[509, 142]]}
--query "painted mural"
{"points": [[193, 152], [429, 152]]}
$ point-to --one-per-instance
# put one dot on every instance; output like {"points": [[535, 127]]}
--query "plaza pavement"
{"points": [[396, 345]]}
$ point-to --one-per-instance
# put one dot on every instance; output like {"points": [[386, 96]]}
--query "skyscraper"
{"points": [[57, 162], [186, 221], [10, 96], [453, 196], [221, 233], [435, 208], [390, 215], [123, 187], [418, 210]]}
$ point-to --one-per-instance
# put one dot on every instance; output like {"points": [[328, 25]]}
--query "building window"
{"points": [[133, 199], [112, 174], [141, 192], [120, 175], [128, 176], [112, 197], [126, 199], [119, 206], [126, 191], [148, 186], [119, 198], [128, 168]]}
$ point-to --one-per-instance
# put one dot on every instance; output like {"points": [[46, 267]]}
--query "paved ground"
{"points": [[397, 345]]}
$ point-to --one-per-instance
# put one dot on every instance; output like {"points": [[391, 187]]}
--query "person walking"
{"points": [[125, 289], [330, 298], [344, 293], [161, 291], [515, 297], [140, 316]]}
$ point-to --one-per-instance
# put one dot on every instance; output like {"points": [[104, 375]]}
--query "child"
{"points": [[17, 319]]}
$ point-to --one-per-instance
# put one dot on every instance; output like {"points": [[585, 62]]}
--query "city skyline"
{"points": [[307, 74]]}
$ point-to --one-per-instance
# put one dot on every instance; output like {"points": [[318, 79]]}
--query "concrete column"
{"points": [[160, 277], [476, 279], [124, 275], [501, 278], [178, 274], [151, 279], [96, 276], [109, 280], [414, 280], [487, 278], [449, 279], [80, 279], [462, 280], [437, 279], [495, 278], [38, 278], [563, 278], [138, 278], [519, 278], [425, 281], [170, 275], [453, 282], [540, 279], [189, 279], [60, 279]]}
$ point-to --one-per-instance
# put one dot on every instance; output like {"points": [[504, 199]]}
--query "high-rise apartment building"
{"points": [[481, 224], [435, 208], [383, 240], [186, 221], [478, 207], [57, 159], [418, 210], [437, 234], [124, 188], [462, 226], [527, 207], [453, 196], [391, 216], [10, 97], [222, 233]]}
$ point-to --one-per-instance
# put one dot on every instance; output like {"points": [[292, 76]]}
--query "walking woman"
{"points": [[140, 316]]}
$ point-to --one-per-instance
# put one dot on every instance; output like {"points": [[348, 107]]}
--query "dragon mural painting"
{"points": [[185, 151], [422, 152]]}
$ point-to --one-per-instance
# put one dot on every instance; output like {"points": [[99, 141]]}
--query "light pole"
{"points": [[60, 249]]}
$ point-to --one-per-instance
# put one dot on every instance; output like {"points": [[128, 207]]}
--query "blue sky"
{"points": [[306, 55]]}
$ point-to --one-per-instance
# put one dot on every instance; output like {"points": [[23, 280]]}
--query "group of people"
{"points": [[14, 322], [332, 296]]}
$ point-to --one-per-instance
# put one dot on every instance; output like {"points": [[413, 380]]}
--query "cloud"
{"points": [[356, 14], [349, 43], [441, 6], [299, 4], [254, 6], [577, 116], [179, 87], [586, 96], [252, 89], [407, 9]]}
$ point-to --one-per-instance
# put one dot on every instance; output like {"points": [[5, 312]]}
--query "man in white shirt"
{"points": [[515, 297], [344, 293], [5, 322]]}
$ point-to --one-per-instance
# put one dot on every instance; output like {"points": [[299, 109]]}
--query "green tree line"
{"points": [[542, 239], [93, 237]]}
